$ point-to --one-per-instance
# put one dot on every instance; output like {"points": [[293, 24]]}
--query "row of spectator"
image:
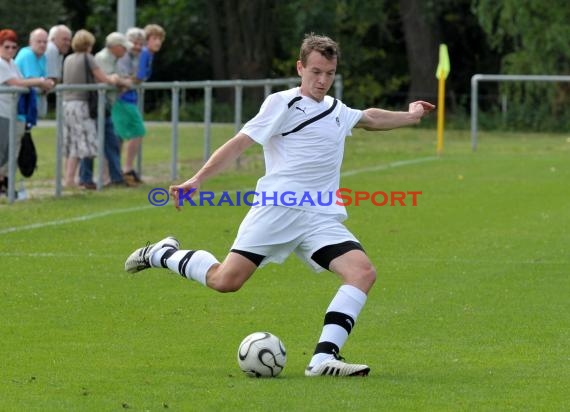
{"points": [[125, 60]]}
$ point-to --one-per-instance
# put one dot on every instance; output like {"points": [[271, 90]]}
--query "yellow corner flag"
{"points": [[443, 65], [441, 73]]}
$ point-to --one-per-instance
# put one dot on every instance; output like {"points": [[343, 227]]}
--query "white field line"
{"points": [[56, 255], [92, 216], [378, 168], [382, 259], [83, 218]]}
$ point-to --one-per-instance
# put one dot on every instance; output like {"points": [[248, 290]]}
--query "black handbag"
{"points": [[27, 157], [92, 97]]}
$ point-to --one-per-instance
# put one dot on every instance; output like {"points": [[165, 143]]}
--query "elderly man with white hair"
{"points": [[31, 61], [59, 43]]}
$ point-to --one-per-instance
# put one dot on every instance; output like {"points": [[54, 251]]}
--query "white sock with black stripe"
{"points": [[192, 264], [339, 320]]}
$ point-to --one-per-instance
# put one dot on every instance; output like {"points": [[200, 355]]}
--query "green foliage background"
{"points": [[483, 36], [532, 39]]}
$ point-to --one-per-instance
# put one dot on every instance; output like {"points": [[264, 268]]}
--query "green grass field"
{"points": [[470, 312]]}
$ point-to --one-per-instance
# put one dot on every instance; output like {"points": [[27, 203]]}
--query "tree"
{"points": [[421, 49], [426, 24], [533, 39], [26, 16], [372, 66], [242, 37], [389, 49]]}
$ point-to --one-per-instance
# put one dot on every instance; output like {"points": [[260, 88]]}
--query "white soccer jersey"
{"points": [[303, 145]]}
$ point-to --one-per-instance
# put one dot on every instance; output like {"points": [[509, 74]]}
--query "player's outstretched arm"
{"points": [[380, 119], [222, 158]]}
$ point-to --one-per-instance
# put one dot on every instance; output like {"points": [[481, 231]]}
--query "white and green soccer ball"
{"points": [[261, 354]]}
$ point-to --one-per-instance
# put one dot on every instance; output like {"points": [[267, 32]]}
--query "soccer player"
{"points": [[302, 131]]}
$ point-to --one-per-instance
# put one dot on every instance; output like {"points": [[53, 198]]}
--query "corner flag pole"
{"points": [[441, 73]]}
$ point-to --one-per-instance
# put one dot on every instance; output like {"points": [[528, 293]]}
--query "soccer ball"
{"points": [[261, 354]]}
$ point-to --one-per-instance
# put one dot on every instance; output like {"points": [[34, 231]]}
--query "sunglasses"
{"points": [[9, 46]]}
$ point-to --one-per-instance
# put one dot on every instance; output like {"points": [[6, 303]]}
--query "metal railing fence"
{"points": [[175, 87]]}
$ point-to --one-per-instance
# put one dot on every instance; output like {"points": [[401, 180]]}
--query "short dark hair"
{"points": [[323, 44]]}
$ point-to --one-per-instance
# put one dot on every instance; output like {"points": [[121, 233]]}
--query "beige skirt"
{"points": [[79, 130]]}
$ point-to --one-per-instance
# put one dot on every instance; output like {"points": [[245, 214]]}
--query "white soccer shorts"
{"points": [[276, 231]]}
